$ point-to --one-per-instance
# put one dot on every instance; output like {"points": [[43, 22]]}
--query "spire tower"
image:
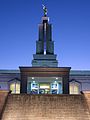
{"points": [[45, 56]]}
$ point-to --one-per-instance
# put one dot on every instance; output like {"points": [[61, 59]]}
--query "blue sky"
{"points": [[19, 21]]}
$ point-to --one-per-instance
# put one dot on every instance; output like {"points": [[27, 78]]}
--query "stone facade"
{"points": [[47, 107], [80, 78]]}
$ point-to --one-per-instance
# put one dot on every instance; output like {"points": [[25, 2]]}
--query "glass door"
{"points": [[44, 88]]}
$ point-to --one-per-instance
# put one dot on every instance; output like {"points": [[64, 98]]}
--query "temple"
{"points": [[44, 91], [44, 76]]}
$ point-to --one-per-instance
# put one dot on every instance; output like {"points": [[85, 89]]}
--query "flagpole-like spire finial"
{"points": [[45, 10]]}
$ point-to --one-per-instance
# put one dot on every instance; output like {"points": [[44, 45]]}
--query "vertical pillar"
{"points": [[23, 87], [65, 83]]}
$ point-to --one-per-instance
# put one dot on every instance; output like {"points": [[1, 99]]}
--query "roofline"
{"points": [[79, 72], [72, 72], [9, 71]]}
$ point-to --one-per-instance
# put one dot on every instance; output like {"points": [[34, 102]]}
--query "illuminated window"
{"points": [[15, 88], [74, 88], [34, 87], [12, 88]]}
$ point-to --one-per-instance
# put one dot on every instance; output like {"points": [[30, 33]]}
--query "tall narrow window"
{"points": [[17, 88], [12, 88]]}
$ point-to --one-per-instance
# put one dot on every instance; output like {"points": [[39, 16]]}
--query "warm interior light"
{"points": [[44, 87]]}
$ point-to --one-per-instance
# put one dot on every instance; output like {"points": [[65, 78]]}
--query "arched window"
{"points": [[74, 87]]}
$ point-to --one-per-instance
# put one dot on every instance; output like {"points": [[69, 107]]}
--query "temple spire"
{"points": [[45, 45]]}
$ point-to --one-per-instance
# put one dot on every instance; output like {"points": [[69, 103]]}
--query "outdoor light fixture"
{"points": [[33, 81], [32, 77]]}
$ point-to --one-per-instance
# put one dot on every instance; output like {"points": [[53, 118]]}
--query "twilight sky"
{"points": [[19, 21]]}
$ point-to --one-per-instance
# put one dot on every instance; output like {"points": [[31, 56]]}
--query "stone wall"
{"points": [[87, 97], [46, 107], [3, 96]]}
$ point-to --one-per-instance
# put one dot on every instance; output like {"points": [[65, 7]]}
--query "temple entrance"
{"points": [[45, 66], [44, 85], [32, 77]]}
